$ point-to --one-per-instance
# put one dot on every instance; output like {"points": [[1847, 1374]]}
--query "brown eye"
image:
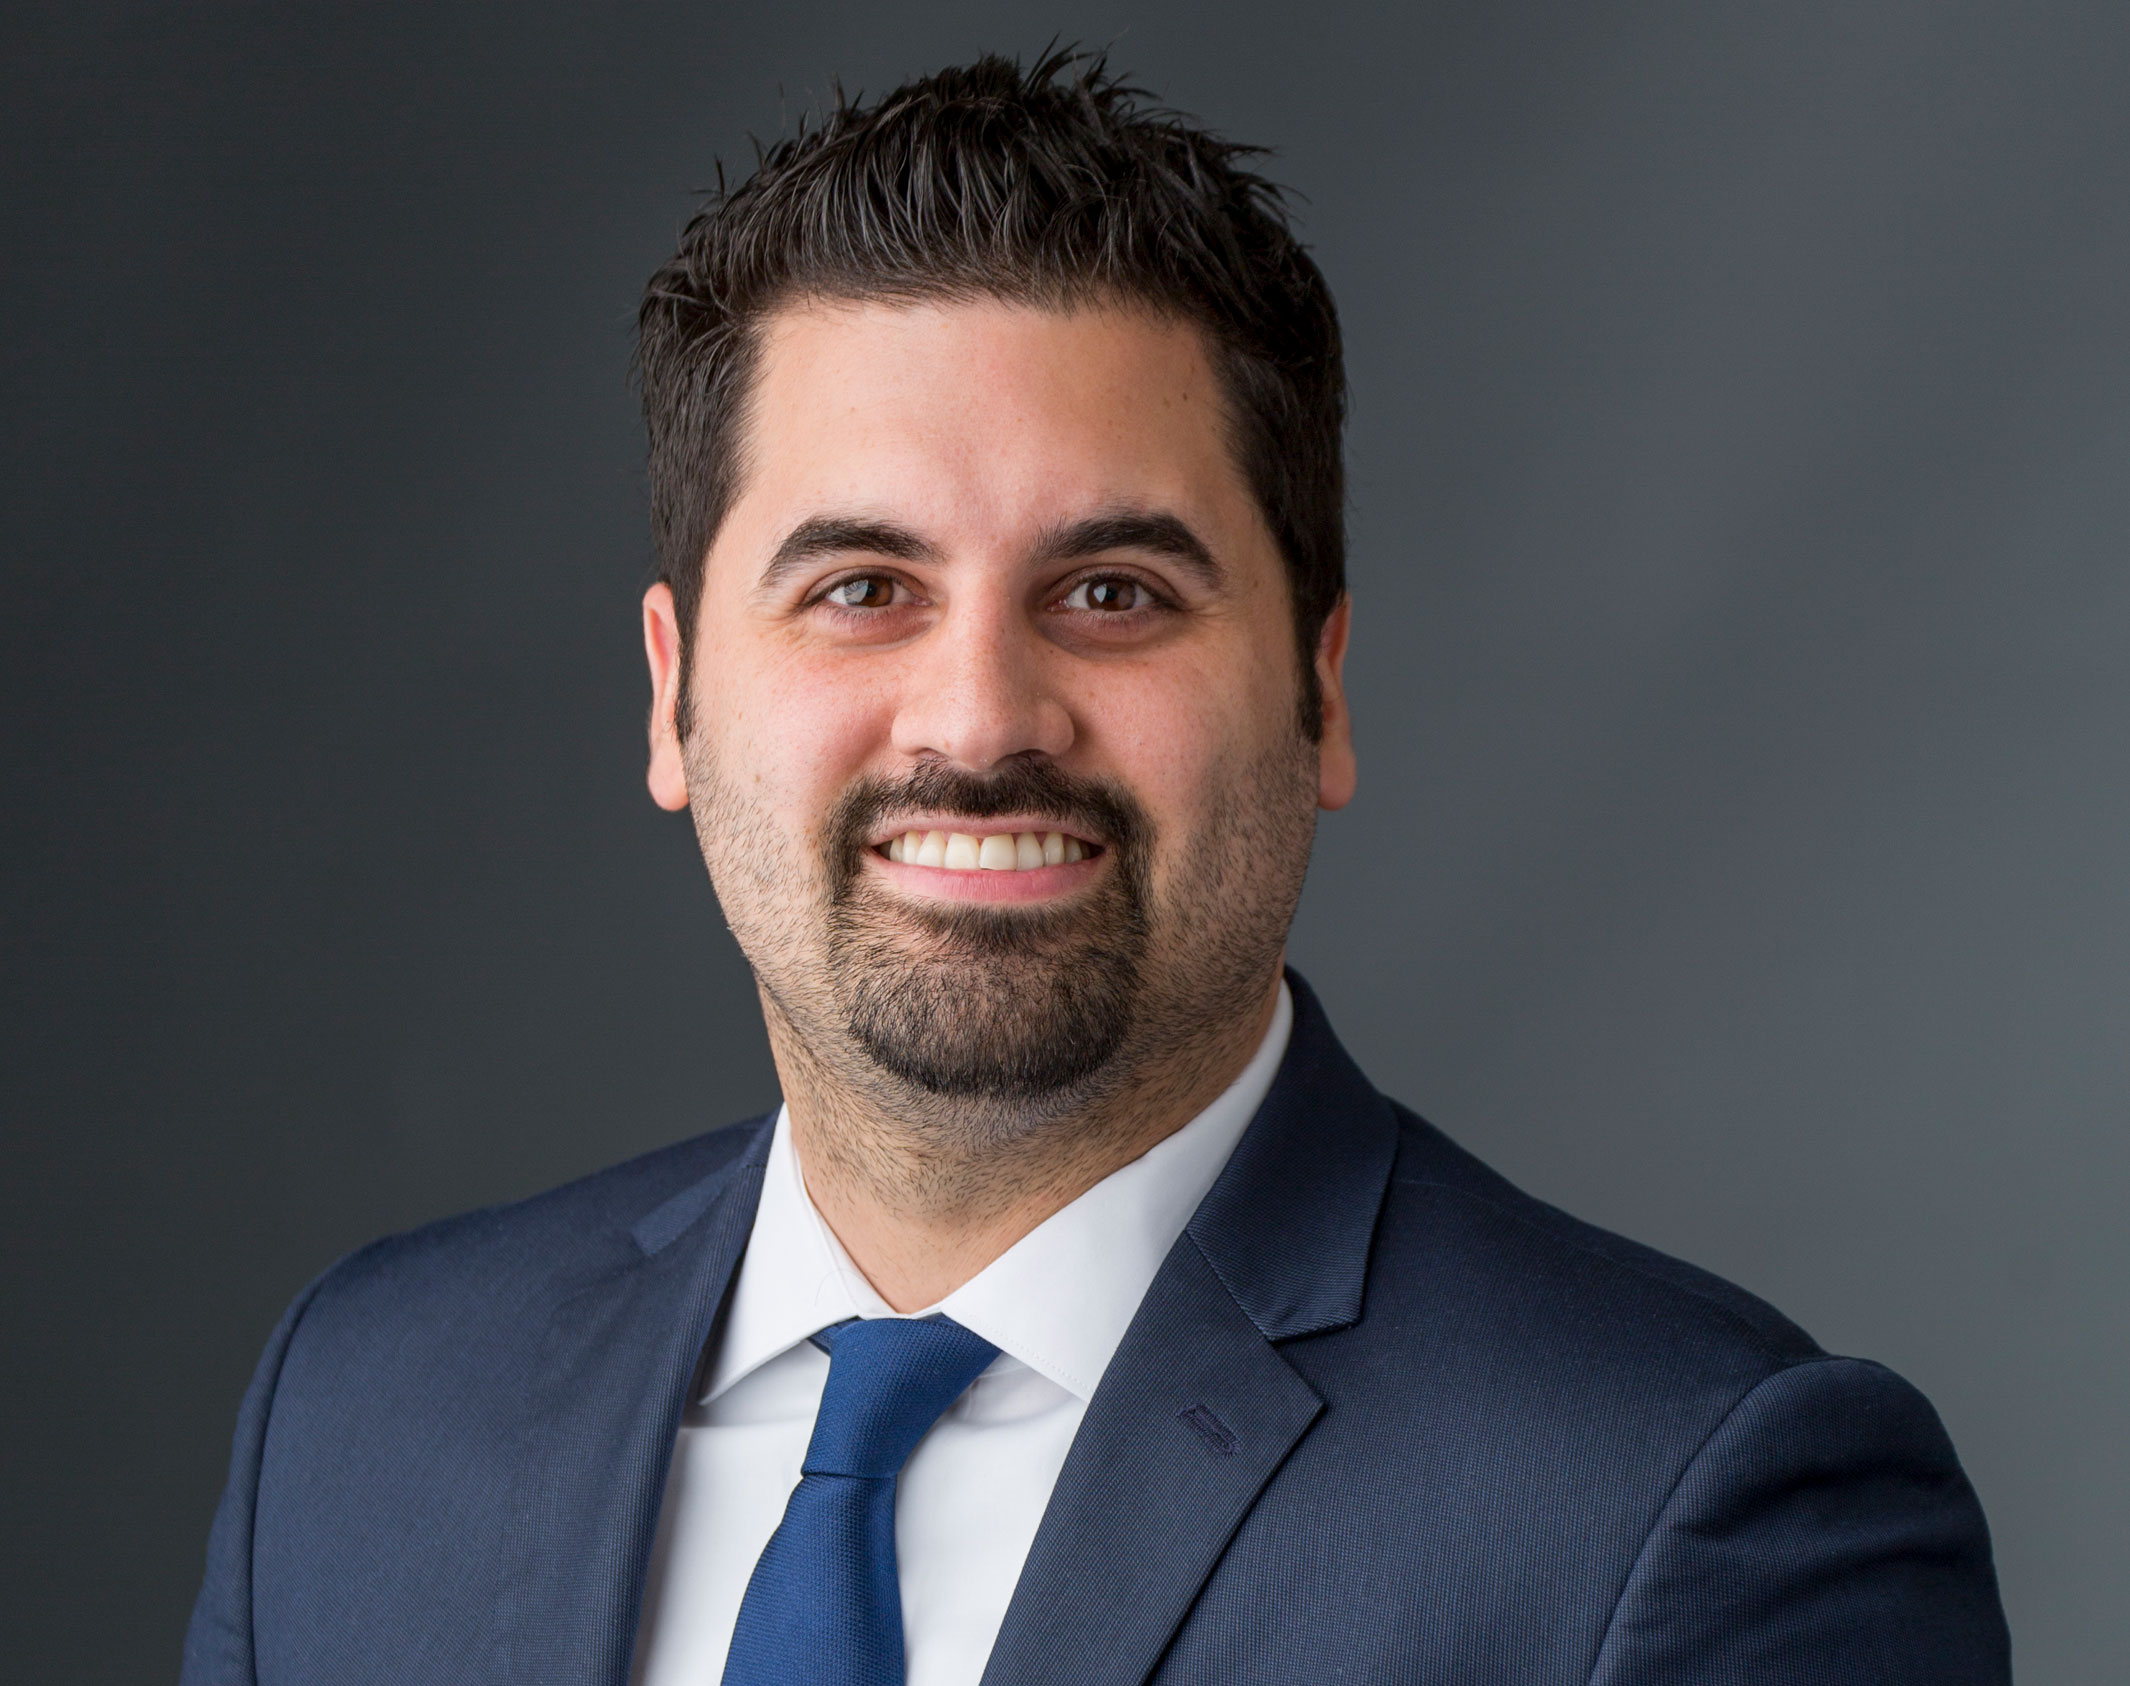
{"points": [[866, 591], [1110, 595]]}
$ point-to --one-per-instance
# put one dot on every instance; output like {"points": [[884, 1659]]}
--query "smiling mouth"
{"points": [[998, 851]]}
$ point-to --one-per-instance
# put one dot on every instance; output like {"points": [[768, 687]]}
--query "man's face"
{"points": [[994, 749]]}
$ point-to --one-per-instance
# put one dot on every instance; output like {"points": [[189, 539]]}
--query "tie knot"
{"points": [[889, 1378]]}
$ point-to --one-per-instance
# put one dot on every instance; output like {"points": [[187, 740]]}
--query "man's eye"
{"points": [[1108, 595], [866, 591]]}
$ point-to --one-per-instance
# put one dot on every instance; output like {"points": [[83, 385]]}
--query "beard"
{"points": [[990, 1003], [1001, 1017]]}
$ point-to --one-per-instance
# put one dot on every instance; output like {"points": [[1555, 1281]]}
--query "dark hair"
{"points": [[1055, 185]]}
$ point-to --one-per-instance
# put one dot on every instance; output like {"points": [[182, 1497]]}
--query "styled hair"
{"points": [[1056, 186]]}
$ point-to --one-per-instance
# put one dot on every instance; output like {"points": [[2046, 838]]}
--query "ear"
{"points": [[1336, 770], [667, 775]]}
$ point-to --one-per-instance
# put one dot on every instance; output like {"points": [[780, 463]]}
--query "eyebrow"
{"points": [[1157, 532], [836, 535]]}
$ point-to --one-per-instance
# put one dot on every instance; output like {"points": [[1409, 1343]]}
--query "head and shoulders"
{"points": [[997, 655]]}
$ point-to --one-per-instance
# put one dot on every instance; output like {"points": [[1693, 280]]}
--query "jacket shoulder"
{"points": [[1552, 1276], [529, 1250], [1544, 1447]]}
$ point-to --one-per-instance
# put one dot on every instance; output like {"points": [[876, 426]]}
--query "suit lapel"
{"points": [[622, 1355], [1198, 1408], [1193, 1417]]}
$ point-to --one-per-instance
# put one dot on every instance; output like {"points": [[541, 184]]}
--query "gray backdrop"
{"points": [[1742, 401]]}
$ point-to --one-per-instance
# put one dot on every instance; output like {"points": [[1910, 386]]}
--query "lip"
{"points": [[979, 885], [996, 889]]}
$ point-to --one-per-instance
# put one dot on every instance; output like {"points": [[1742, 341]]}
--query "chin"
{"points": [[1000, 1004]]}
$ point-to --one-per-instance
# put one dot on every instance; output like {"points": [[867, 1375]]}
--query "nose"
{"points": [[979, 689]]}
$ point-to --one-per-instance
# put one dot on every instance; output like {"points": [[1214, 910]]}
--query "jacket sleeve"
{"points": [[218, 1644], [1824, 1535]]}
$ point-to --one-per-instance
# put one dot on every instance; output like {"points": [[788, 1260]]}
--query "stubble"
{"points": [[954, 1050]]}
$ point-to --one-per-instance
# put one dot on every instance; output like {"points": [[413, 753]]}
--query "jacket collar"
{"points": [[1288, 1225]]}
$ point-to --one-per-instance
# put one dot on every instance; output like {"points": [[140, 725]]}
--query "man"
{"points": [[1083, 1314]]}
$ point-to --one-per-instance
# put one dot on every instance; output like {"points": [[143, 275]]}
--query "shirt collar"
{"points": [[1059, 1299]]}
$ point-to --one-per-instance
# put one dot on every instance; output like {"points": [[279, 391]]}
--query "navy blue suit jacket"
{"points": [[1382, 1417]]}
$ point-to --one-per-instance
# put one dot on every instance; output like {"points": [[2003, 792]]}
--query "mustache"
{"points": [[1031, 786]]}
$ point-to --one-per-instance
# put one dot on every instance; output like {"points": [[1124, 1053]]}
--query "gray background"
{"points": [[1742, 404]]}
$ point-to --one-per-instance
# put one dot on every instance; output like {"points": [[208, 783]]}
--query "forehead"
{"points": [[986, 418]]}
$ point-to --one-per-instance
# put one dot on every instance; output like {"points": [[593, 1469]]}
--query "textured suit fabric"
{"points": [[1382, 1417]]}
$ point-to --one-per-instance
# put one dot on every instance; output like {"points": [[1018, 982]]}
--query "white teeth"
{"points": [[999, 851]]}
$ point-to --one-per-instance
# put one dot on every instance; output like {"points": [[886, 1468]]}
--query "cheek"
{"points": [[790, 734], [1179, 736]]}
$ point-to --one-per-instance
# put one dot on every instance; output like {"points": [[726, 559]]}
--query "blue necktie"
{"points": [[823, 1607]]}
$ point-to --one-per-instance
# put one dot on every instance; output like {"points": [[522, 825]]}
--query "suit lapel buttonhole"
{"points": [[1209, 1428]]}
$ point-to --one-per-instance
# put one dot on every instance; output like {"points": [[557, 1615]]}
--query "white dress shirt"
{"points": [[1056, 1304]]}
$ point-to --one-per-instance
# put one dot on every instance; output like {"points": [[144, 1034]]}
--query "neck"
{"points": [[924, 1191]]}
